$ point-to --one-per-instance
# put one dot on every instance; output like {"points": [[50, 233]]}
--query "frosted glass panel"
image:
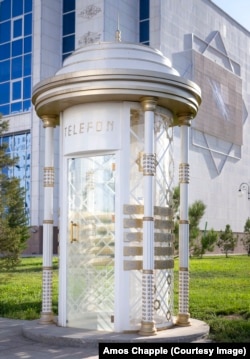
{"points": [[91, 240]]}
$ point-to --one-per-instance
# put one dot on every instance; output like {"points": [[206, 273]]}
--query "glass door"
{"points": [[91, 242]]}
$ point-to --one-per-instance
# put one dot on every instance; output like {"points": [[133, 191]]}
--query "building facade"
{"points": [[204, 44]]}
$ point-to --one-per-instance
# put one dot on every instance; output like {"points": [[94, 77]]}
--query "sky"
{"points": [[237, 9]]}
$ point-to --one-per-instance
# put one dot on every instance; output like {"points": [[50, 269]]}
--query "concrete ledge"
{"points": [[52, 334]]}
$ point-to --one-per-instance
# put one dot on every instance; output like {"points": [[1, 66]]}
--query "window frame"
{"points": [[13, 21]]}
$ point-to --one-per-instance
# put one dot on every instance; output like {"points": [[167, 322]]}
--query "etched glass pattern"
{"points": [[91, 242]]}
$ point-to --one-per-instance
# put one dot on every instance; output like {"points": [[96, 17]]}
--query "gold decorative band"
{"points": [[147, 271], [150, 219], [184, 173], [50, 121], [183, 269], [164, 251], [164, 264], [164, 224], [164, 237], [138, 223], [131, 209], [132, 251], [48, 177], [132, 265], [149, 103], [185, 119], [163, 211], [158, 237], [47, 268], [149, 164], [132, 236], [48, 221], [132, 223], [183, 221], [138, 251]]}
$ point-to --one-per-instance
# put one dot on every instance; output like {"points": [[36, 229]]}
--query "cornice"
{"points": [[54, 95]]}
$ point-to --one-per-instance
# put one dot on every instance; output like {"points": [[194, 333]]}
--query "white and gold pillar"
{"points": [[49, 122], [149, 164], [183, 318]]}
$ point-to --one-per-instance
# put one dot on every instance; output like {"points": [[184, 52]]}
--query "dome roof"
{"points": [[116, 72], [117, 55]]}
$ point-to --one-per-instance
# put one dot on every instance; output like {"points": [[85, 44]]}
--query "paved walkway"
{"points": [[14, 345], [28, 339]]}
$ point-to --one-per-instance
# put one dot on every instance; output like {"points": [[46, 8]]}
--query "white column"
{"points": [[49, 122], [183, 314], [149, 163]]}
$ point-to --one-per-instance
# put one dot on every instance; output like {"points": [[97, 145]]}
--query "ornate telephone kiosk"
{"points": [[116, 105]]}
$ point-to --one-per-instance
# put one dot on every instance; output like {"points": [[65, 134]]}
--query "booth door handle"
{"points": [[73, 232]]}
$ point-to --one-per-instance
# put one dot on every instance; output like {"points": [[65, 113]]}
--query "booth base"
{"points": [[53, 334]]}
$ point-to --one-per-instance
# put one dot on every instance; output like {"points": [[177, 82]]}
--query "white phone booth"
{"points": [[116, 105]]}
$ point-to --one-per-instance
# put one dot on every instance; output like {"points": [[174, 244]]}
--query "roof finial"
{"points": [[118, 37]]}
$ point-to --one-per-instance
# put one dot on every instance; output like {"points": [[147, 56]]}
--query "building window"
{"points": [[15, 55], [16, 90], [144, 21], [17, 7], [17, 28], [68, 35], [19, 145]]}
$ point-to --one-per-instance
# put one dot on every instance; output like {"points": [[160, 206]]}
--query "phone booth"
{"points": [[116, 105]]}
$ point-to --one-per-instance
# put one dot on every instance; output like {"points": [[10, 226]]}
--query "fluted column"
{"points": [[149, 164], [183, 314], [49, 122]]}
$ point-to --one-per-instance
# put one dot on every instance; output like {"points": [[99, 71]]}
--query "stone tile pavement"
{"points": [[14, 345]]}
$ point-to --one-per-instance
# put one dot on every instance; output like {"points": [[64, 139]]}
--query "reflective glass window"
{"points": [[4, 51], [16, 90], [16, 68], [27, 6], [17, 7], [19, 145], [4, 71], [68, 43], [27, 87], [27, 65], [17, 47], [27, 24], [15, 55], [18, 27], [16, 107], [68, 5], [5, 109], [69, 23], [20, 142], [5, 10], [5, 32], [27, 47], [144, 21], [144, 31], [6, 141], [4, 93], [144, 9], [26, 105]]}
